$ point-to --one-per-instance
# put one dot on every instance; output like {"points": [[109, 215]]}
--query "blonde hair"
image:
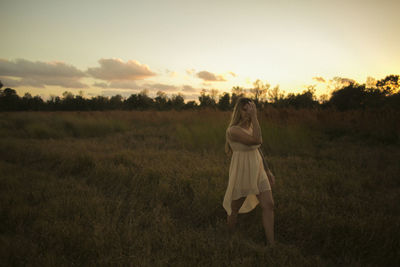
{"points": [[235, 119]]}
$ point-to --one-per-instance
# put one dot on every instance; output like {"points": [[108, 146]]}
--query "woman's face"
{"points": [[244, 113]]}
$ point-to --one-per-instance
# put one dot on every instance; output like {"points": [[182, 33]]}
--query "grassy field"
{"points": [[145, 188]]}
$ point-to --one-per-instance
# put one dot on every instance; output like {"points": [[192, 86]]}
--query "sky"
{"points": [[183, 46]]}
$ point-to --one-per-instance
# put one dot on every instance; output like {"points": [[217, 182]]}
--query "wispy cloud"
{"points": [[101, 85], [342, 81], [319, 79], [233, 74], [171, 73], [190, 71], [124, 84]]}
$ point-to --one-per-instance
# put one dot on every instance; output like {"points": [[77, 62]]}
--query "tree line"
{"points": [[383, 93]]}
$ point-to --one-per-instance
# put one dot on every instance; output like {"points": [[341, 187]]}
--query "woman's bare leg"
{"points": [[235, 205], [267, 205]]}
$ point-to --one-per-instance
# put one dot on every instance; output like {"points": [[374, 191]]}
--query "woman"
{"points": [[249, 184]]}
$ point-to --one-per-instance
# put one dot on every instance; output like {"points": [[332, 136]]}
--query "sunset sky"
{"points": [[121, 47]]}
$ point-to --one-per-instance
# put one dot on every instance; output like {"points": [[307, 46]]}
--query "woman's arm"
{"points": [[238, 135]]}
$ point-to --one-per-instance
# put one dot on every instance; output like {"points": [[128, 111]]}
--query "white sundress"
{"points": [[247, 177]]}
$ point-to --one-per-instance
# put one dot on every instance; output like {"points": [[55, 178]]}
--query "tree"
{"points": [[259, 90], [67, 95], [236, 93], [349, 97], [68, 101], [370, 83], [132, 102], [206, 100], [214, 94], [191, 105], [37, 103], [99, 102], [144, 101], [54, 102], [26, 101], [9, 100], [323, 99], [389, 85], [274, 94], [339, 83], [306, 99], [223, 103], [373, 97], [177, 101], [237, 90], [116, 102], [161, 100]]}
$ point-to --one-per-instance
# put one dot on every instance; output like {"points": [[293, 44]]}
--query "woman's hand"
{"points": [[252, 110], [271, 178]]}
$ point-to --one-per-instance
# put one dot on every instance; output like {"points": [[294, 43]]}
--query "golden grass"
{"points": [[146, 188]]}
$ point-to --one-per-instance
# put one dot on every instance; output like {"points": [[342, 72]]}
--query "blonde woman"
{"points": [[249, 184]]}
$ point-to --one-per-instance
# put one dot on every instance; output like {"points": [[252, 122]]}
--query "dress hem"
{"points": [[251, 193]]}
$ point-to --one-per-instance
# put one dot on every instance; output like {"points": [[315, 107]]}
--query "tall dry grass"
{"points": [[146, 188]]}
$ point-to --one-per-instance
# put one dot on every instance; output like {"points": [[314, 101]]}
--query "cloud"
{"points": [[26, 68], [151, 87], [101, 85], [160, 87], [205, 84], [190, 71], [7, 82], [342, 81], [124, 84], [319, 79], [40, 74], [210, 77], [171, 73], [115, 69], [188, 88], [233, 74]]}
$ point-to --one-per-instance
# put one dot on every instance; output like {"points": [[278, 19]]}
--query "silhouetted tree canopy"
{"points": [[349, 97], [223, 103], [206, 100], [389, 85], [177, 102], [306, 99], [382, 94]]}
